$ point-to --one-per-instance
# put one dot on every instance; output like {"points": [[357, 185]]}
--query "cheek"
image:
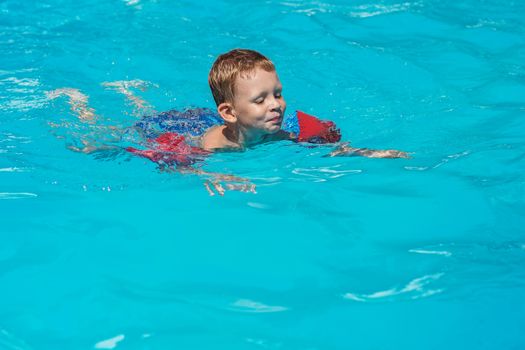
{"points": [[260, 111], [253, 113]]}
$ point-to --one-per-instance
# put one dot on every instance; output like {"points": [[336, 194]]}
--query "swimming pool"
{"points": [[331, 253]]}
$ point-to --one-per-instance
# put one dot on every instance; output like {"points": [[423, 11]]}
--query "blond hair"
{"points": [[230, 65]]}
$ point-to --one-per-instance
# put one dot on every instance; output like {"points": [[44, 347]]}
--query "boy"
{"points": [[250, 111], [248, 94]]}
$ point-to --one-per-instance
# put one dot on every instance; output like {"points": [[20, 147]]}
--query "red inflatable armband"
{"points": [[317, 131]]}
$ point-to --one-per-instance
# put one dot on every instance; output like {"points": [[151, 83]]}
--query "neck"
{"points": [[242, 137]]}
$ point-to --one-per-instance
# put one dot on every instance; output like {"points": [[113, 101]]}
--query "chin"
{"points": [[274, 129]]}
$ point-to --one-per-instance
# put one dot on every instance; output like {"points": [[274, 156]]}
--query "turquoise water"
{"points": [[107, 252]]}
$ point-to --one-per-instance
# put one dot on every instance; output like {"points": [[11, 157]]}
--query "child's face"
{"points": [[258, 103]]}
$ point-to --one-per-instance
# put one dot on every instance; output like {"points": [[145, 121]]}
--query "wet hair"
{"points": [[230, 65]]}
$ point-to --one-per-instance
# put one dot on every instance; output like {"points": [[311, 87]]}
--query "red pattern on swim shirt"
{"points": [[170, 148]]}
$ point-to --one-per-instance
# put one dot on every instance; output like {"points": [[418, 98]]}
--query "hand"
{"points": [[346, 150], [217, 186], [343, 150], [389, 153], [233, 183]]}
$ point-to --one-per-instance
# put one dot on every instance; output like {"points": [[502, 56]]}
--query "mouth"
{"points": [[276, 119]]}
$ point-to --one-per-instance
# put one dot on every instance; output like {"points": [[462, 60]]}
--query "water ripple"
{"points": [[371, 10], [17, 195], [109, 343], [441, 162], [320, 174], [10, 342], [12, 170], [246, 305], [431, 252], [416, 287]]}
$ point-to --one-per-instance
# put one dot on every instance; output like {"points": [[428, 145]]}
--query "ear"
{"points": [[227, 112]]}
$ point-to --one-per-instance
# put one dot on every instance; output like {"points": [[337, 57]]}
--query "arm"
{"points": [[142, 107], [172, 154], [345, 150], [313, 130], [78, 103], [213, 181]]}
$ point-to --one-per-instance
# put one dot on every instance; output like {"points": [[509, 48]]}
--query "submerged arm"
{"points": [[313, 130], [345, 150], [214, 180], [124, 87], [78, 103]]}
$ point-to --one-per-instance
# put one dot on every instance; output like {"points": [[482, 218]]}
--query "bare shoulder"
{"points": [[214, 138]]}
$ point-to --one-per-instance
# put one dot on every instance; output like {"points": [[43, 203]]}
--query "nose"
{"points": [[275, 104]]}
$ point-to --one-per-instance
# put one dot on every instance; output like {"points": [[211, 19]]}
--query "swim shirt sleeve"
{"points": [[311, 129]]}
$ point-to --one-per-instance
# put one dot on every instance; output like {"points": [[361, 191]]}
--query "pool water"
{"points": [[107, 252]]}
